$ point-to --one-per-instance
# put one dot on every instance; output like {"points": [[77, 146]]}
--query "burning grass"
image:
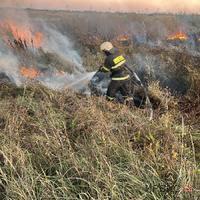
{"points": [[20, 36], [63, 145], [27, 46], [67, 146], [29, 73], [178, 36]]}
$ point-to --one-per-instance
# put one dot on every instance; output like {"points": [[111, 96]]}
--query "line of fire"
{"points": [[23, 40]]}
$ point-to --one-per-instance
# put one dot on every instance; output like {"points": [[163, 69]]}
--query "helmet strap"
{"points": [[107, 53]]}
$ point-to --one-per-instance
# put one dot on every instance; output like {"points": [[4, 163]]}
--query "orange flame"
{"points": [[178, 36], [29, 73], [122, 38], [14, 31]]}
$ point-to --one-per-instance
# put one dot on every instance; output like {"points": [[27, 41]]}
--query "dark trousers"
{"points": [[127, 89], [124, 87]]}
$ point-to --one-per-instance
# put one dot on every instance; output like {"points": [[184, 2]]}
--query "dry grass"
{"points": [[66, 146]]}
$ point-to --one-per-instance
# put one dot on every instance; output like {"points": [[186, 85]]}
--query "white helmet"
{"points": [[106, 46]]}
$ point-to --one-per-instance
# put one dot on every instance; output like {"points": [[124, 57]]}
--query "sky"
{"points": [[189, 6]]}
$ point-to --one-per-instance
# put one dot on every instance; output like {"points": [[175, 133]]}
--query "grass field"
{"points": [[64, 145]]}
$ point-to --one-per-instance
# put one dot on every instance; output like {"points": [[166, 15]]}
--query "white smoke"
{"points": [[55, 44], [8, 66], [61, 45], [79, 82]]}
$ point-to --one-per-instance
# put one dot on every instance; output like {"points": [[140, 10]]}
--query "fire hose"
{"points": [[139, 82], [136, 80], [148, 102]]}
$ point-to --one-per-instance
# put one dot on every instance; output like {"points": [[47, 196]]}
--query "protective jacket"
{"points": [[116, 65], [120, 75]]}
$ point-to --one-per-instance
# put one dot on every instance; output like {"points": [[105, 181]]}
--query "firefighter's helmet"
{"points": [[106, 46]]}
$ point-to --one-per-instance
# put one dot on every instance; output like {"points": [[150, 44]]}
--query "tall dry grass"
{"points": [[67, 146]]}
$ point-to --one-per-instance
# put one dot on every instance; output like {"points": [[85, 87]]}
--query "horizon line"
{"points": [[106, 11]]}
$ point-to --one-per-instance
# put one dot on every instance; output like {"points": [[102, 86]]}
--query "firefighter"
{"points": [[115, 63]]}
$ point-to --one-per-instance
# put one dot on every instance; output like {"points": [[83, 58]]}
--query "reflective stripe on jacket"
{"points": [[116, 65]]}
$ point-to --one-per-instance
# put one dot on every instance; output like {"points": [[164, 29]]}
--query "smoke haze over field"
{"points": [[21, 57], [192, 6]]}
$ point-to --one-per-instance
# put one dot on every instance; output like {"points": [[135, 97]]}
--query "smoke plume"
{"points": [[29, 50]]}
